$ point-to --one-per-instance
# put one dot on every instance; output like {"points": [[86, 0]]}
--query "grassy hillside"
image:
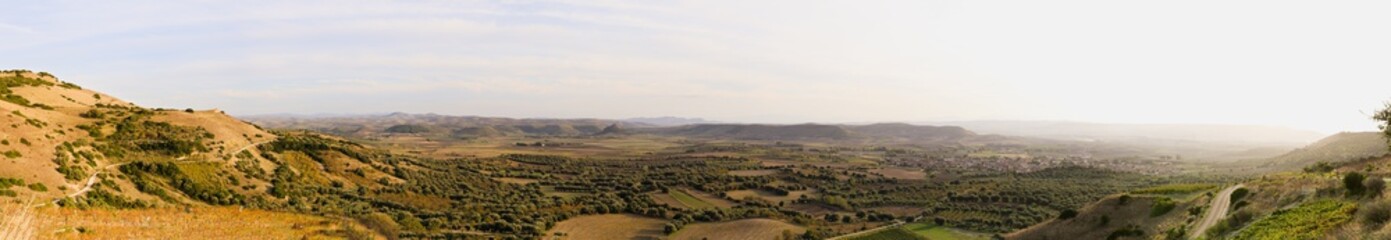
{"points": [[72, 148], [1138, 217], [1341, 147]]}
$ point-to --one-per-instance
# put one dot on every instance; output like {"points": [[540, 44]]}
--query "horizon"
{"points": [[1228, 63], [721, 121]]}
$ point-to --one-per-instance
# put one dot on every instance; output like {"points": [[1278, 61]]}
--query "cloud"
{"points": [[784, 61]]}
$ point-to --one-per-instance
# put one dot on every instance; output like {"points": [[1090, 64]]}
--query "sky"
{"points": [[1315, 65]]}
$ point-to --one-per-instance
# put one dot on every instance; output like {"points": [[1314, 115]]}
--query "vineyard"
{"points": [[1308, 221]]}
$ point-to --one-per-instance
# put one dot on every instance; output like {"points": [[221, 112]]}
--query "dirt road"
{"points": [[1215, 211]]}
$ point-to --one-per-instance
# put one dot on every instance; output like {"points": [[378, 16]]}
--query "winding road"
{"points": [[1215, 211]]}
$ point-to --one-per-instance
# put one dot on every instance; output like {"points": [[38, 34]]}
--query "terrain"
{"points": [[89, 159]]}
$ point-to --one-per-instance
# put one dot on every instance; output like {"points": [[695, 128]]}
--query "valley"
{"points": [[87, 165]]}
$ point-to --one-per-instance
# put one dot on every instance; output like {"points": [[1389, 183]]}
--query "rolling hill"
{"points": [[1341, 147], [436, 125]]}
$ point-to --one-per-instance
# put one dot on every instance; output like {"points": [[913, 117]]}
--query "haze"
{"points": [[1318, 65]]}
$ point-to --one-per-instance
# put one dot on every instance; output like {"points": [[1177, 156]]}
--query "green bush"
{"points": [[38, 187], [1352, 181], [12, 154], [1162, 206]]}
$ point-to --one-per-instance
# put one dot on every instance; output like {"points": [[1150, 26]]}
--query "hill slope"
{"points": [[1341, 147]]}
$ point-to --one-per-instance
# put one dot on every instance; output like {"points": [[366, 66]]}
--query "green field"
{"points": [[934, 232], [690, 201], [891, 234], [923, 230], [1175, 189]]}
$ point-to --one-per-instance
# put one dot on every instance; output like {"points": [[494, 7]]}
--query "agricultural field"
{"points": [[891, 234], [771, 196], [608, 226], [935, 232], [1308, 221], [751, 173], [1172, 189], [518, 181], [900, 173], [190, 223], [756, 228]]}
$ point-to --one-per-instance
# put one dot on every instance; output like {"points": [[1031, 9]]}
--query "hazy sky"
{"points": [[1318, 65]]}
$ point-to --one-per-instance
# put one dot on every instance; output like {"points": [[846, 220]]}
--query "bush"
{"points": [[1162, 206], [1374, 186], [1320, 167], [1374, 215], [12, 154], [92, 114], [1239, 193], [1353, 183], [38, 187], [1067, 214]]}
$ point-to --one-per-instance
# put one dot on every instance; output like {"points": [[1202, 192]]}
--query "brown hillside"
{"points": [[1102, 218]]}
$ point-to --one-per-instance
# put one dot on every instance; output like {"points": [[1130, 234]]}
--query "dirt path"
{"points": [[1215, 212], [17, 221], [91, 181]]}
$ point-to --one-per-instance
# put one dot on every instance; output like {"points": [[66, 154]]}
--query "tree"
{"points": [[1383, 119], [1353, 182], [1067, 214]]}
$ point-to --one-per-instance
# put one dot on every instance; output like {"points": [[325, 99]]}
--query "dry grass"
{"points": [[899, 210], [770, 196], [751, 173], [813, 208], [608, 226], [196, 223], [663, 198], [519, 181], [740, 229], [900, 173]]}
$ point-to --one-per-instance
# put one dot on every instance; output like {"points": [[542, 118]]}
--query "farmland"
{"points": [[756, 228], [608, 226], [1308, 221], [192, 223]]}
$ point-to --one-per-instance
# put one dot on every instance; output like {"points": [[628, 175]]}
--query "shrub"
{"points": [[1374, 186], [1374, 215], [1067, 214], [12, 154], [92, 114], [1352, 181], [1239, 193], [1162, 206], [38, 187]]}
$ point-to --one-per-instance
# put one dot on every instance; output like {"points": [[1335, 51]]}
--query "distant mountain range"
{"points": [[473, 126], [668, 121], [1129, 132], [439, 125]]}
